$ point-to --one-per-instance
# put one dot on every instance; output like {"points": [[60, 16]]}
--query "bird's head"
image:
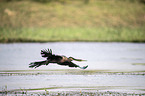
{"points": [[71, 58]]}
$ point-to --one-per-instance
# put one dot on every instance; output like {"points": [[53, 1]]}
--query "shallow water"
{"points": [[101, 58], [75, 82]]}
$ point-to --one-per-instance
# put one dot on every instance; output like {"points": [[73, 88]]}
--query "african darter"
{"points": [[52, 58]]}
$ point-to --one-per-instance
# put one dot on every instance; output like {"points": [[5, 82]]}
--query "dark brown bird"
{"points": [[52, 58]]}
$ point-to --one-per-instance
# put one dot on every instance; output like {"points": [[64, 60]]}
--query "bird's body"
{"points": [[52, 58]]}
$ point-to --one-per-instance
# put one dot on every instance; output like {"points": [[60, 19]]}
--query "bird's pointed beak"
{"points": [[83, 60], [79, 60]]}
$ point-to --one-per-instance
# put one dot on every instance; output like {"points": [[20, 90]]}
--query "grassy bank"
{"points": [[97, 20], [72, 34]]}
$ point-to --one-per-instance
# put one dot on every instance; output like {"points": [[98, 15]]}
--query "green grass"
{"points": [[72, 34], [99, 20]]}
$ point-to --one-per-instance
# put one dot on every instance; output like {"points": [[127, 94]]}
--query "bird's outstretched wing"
{"points": [[46, 53]]}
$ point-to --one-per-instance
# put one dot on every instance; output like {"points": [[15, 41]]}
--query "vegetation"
{"points": [[44, 92], [68, 20]]}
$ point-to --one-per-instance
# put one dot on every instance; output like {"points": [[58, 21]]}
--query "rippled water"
{"points": [[101, 57], [75, 82]]}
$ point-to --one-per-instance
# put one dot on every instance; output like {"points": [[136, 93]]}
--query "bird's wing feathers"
{"points": [[46, 53]]}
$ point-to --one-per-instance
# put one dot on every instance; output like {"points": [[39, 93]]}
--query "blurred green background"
{"points": [[72, 20]]}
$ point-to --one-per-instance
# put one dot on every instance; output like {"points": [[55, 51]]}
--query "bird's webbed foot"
{"points": [[84, 67]]}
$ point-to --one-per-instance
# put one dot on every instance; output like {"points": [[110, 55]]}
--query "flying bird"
{"points": [[52, 58]]}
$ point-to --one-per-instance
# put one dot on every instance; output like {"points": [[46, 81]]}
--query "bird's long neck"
{"points": [[78, 59]]}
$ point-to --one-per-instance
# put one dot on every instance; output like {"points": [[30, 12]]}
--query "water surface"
{"points": [[102, 58], [99, 56]]}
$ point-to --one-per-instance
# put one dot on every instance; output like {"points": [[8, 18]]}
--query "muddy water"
{"points": [[102, 58]]}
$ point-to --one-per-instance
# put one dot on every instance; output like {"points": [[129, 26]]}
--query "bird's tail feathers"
{"points": [[37, 64]]}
